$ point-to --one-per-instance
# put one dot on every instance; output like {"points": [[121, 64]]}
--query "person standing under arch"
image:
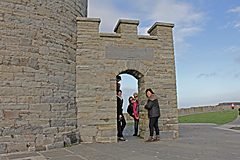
{"points": [[130, 106], [153, 114], [121, 123], [136, 114]]}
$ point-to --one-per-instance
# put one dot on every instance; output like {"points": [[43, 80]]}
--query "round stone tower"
{"points": [[37, 73]]}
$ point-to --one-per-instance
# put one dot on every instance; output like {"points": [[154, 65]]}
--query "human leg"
{"points": [[157, 138], [156, 125], [119, 134], [136, 121], [120, 126], [150, 138], [123, 123], [151, 123]]}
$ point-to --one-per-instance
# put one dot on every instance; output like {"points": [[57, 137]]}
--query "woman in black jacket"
{"points": [[153, 114]]}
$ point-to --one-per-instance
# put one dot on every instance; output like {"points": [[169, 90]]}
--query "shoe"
{"points": [[134, 134], [122, 139], [150, 139], [157, 138]]}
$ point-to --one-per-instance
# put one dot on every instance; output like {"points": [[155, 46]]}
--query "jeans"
{"points": [[136, 121], [153, 122]]}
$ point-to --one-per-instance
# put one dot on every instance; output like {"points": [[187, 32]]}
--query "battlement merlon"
{"points": [[127, 27], [88, 26], [160, 29]]}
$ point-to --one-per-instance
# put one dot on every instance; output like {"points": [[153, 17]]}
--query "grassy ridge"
{"points": [[221, 117]]}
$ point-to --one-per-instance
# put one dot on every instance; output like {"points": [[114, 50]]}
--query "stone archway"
{"points": [[142, 99], [139, 76], [102, 56]]}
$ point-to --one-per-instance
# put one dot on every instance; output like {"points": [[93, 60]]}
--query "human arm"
{"points": [[149, 105]]}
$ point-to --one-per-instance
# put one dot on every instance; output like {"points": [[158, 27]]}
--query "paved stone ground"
{"points": [[196, 141]]}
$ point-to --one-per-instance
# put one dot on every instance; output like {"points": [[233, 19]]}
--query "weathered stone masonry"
{"points": [[96, 70], [37, 73]]}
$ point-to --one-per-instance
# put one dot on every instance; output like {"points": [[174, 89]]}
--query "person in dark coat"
{"points": [[153, 114], [130, 106], [121, 123]]}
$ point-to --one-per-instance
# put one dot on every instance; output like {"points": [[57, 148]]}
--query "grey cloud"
{"points": [[207, 75], [237, 75], [237, 59]]}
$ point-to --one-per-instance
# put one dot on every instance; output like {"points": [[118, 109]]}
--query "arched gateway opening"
{"points": [[129, 86], [102, 56]]}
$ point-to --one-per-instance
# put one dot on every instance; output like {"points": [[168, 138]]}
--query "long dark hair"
{"points": [[129, 99], [150, 90]]}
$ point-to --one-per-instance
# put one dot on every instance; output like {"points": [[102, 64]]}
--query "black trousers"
{"points": [[153, 123], [136, 121], [120, 126]]}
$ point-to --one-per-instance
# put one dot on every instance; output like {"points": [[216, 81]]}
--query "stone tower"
{"points": [[37, 73]]}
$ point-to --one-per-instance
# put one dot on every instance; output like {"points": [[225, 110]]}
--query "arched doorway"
{"points": [[135, 76], [129, 86], [132, 83]]}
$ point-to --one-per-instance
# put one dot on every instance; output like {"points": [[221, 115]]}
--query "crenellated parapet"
{"points": [[128, 28]]}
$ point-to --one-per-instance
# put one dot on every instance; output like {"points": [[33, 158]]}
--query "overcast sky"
{"points": [[206, 41]]}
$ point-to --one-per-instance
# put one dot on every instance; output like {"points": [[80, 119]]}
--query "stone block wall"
{"points": [[102, 56], [37, 73]]}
